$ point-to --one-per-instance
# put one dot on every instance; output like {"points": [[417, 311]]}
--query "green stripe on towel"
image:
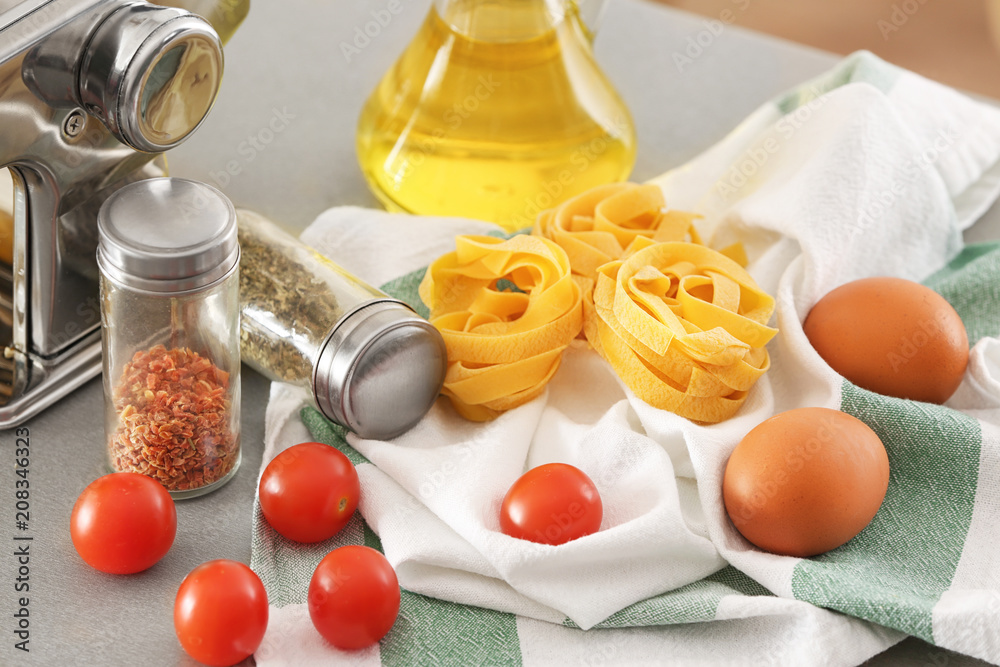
{"points": [[286, 567], [971, 283], [895, 571], [859, 67], [405, 288], [693, 603], [335, 435], [429, 631]]}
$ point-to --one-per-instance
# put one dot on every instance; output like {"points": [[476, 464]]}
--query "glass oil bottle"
{"points": [[496, 110]]}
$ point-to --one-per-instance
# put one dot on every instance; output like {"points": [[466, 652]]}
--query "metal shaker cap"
{"points": [[381, 369], [167, 235]]}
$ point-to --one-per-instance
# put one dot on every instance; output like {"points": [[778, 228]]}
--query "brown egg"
{"points": [[891, 336], [805, 481]]}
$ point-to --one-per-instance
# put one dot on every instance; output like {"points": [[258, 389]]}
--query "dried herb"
{"points": [[175, 419], [289, 306]]}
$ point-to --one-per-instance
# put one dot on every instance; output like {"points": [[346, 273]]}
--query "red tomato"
{"points": [[220, 613], [353, 597], [551, 504], [123, 523], [309, 492]]}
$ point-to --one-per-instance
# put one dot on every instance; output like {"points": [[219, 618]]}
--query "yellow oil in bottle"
{"points": [[224, 15], [495, 111]]}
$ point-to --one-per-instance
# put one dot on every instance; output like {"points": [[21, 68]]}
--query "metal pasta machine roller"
{"points": [[91, 92]]}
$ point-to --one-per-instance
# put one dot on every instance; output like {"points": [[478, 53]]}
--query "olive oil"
{"points": [[495, 111], [224, 15]]}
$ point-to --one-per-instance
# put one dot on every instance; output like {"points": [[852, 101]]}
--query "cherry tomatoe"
{"points": [[123, 523], [551, 504], [353, 597], [220, 613], [309, 492]]}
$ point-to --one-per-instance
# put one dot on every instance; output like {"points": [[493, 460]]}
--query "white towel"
{"points": [[869, 170]]}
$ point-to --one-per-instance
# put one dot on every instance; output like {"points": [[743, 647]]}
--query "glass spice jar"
{"points": [[169, 263], [369, 361]]}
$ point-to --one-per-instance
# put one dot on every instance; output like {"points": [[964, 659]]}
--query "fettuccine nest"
{"points": [[684, 326]]}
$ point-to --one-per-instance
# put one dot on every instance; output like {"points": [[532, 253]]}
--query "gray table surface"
{"points": [[285, 60]]}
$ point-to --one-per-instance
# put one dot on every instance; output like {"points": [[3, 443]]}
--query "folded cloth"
{"points": [[869, 170]]}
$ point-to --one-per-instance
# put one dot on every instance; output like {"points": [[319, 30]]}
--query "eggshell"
{"points": [[891, 336], [805, 481]]}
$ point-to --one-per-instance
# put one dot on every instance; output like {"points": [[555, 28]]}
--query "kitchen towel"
{"points": [[868, 170]]}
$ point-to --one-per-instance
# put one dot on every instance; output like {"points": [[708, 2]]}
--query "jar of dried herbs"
{"points": [[169, 263], [369, 361]]}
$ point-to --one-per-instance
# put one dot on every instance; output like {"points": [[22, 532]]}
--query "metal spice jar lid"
{"points": [[167, 235], [380, 370]]}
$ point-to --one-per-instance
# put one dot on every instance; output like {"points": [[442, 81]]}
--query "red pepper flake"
{"points": [[174, 415]]}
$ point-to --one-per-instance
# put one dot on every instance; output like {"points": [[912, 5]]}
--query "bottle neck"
{"points": [[509, 20]]}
